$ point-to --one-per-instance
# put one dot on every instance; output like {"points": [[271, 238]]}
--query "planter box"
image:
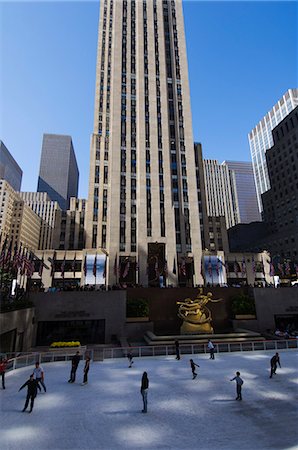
{"points": [[137, 319], [245, 316], [68, 349]]}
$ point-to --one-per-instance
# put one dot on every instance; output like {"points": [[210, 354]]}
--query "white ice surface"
{"points": [[182, 413]]}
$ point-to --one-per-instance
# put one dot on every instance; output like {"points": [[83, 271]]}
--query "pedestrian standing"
{"points": [[74, 366], [193, 368], [38, 373], [86, 370], [211, 349], [144, 391], [3, 363], [31, 392], [129, 356], [177, 350], [239, 383], [273, 362]]}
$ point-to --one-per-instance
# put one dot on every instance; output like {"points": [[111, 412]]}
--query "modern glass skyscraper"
{"points": [[246, 190], [260, 139], [9, 168], [143, 206], [58, 173]]}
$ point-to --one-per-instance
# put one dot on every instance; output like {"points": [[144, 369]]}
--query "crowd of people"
{"points": [[36, 378]]}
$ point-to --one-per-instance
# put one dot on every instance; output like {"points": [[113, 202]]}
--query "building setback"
{"points": [[58, 173], [9, 168], [70, 226], [260, 139], [142, 205], [281, 201], [246, 190], [221, 192]]}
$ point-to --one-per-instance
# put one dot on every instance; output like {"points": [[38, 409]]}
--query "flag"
{"points": [[63, 266], [174, 267], [8, 254], [73, 265], [85, 266], [272, 272], [156, 267], [236, 268], [30, 265], [3, 251], [166, 268], [253, 264], [95, 265], [126, 270], [210, 267], [40, 270], [281, 269], [296, 269], [183, 267], [104, 274], [217, 267], [288, 268], [226, 265], [115, 266], [23, 262], [243, 267], [17, 258], [53, 263]]}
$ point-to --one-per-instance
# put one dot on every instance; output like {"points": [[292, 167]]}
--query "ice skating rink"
{"points": [[182, 413]]}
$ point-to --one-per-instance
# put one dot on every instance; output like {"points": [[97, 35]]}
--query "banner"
{"points": [[95, 268]]}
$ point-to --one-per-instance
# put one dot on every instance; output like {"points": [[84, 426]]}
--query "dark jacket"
{"points": [[32, 387], [275, 360], [75, 360], [145, 383]]}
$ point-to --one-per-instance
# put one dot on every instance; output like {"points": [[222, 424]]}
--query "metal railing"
{"points": [[101, 354]]}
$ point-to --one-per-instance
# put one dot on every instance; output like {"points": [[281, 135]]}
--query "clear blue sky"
{"points": [[242, 58]]}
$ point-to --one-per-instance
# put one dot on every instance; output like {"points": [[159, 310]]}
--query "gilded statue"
{"points": [[195, 314]]}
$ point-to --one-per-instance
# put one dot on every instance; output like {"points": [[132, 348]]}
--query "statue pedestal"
{"points": [[189, 328]]}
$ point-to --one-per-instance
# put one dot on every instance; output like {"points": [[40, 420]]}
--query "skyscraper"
{"points": [[260, 140], [9, 168], [58, 173], [246, 190], [142, 206], [221, 192]]}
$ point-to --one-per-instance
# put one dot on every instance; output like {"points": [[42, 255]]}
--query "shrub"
{"points": [[137, 307], [243, 304]]}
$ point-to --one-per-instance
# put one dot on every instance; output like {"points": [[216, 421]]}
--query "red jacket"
{"points": [[3, 366]]}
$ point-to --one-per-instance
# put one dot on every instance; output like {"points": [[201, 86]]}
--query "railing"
{"points": [[100, 354]]}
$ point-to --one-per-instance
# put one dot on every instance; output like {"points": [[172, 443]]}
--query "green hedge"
{"points": [[137, 307], [243, 304]]}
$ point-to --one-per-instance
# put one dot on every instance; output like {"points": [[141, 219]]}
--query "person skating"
{"points": [[3, 363], [144, 391], [273, 362], [193, 368], [177, 348], [211, 349], [129, 357], [239, 383], [74, 366], [31, 392], [38, 373], [86, 370]]}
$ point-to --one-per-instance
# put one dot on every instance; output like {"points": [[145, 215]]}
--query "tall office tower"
{"points": [[9, 168], [70, 226], [47, 210], [281, 201], [260, 139], [221, 192], [142, 205], [246, 190], [58, 173]]}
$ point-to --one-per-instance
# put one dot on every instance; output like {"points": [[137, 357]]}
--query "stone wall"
{"points": [[17, 330]]}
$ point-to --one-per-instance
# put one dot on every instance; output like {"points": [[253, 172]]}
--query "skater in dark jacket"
{"points": [[144, 391], [177, 348], [193, 368], [129, 357], [239, 383], [3, 364], [31, 392], [273, 362], [74, 365], [86, 370]]}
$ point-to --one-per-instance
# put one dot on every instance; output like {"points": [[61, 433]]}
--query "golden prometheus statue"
{"points": [[195, 314]]}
